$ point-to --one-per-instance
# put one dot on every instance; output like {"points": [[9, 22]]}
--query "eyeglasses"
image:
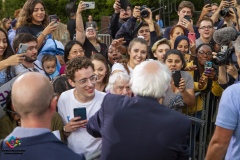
{"points": [[90, 30], [206, 27], [84, 81], [120, 88], [206, 53], [76, 52], [14, 113]]}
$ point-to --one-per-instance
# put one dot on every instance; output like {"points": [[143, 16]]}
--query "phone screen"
{"points": [[53, 18], [207, 65], [176, 77], [80, 112]]}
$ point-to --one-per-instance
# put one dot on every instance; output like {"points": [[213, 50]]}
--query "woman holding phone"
{"points": [[33, 19], [182, 94], [7, 59]]}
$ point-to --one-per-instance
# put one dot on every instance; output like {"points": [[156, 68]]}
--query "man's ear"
{"points": [[53, 104], [71, 83]]}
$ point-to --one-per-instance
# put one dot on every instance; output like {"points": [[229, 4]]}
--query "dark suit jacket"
{"points": [[139, 128]]}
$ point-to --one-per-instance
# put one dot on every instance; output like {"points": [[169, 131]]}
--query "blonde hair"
{"points": [[61, 34], [159, 42]]}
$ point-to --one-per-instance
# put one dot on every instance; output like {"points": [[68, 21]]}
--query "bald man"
{"points": [[33, 99], [140, 127]]}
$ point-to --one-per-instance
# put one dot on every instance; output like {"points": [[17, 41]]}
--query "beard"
{"points": [[29, 59]]}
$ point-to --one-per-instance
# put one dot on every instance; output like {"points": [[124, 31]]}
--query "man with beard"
{"points": [[30, 63], [118, 18], [206, 31]]}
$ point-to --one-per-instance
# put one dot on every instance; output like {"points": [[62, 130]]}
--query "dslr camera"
{"points": [[225, 11], [143, 11], [225, 57]]}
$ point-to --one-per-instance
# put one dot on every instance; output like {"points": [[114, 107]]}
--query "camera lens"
{"points": [[144, 13]]}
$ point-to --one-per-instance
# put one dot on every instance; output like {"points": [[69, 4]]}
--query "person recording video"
{"points": [[226, 59]]}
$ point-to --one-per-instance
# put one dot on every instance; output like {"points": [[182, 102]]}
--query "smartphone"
{"points": [[207, 2], [192, 37], [176, 77], [52, 18], [80, 112], [124, 4], [89, 5], [22, 48], [207, 65], [187, 17]]}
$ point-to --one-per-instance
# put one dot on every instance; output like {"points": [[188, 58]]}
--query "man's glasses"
{"points": [[90, 30], [14, 113], [206, 27], [206, 53], [84, 81]]}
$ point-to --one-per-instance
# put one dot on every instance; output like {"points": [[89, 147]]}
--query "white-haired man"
{"points": [[139, 127], [226, 137], [119, 84]]}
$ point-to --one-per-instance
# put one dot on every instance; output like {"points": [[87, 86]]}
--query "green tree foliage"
{"points": [[103, 7]]}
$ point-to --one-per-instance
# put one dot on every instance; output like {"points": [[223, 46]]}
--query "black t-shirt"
{"points": [[71, 27], [89, 48], [32, 29]]}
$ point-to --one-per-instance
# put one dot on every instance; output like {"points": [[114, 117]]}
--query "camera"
{"points": [[143, 11], [225, 11], [225, 57]]}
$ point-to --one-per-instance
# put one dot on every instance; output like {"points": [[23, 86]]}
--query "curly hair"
{"points": [[76, 64], [25, 16], [101, 58]]}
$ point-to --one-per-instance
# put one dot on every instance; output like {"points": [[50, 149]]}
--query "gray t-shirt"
{"points": [[175, 100], [198, 42], [37, 68]]}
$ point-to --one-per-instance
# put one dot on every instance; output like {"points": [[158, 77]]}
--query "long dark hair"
{"points": [[176, 52], [68, 47], [25, 16], [197, 74], [8, 52]]}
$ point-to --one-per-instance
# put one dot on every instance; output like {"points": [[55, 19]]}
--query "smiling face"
{"points": [[3, 43], [91, 33], [174, 62], [121, 87], [100, 70], [76, 51], [160, 51], [138, 54], [145, 32], [204, 54], [183, 46], [38, 14], [83, 92]]}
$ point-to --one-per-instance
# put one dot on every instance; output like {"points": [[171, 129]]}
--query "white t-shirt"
{"points": [[120, 67], [80, 141]]}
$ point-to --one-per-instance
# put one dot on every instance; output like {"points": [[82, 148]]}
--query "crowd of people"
{"points": [[134, 94]]}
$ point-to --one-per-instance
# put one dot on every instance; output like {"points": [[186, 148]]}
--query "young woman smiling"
{"points": [[33, 19]]}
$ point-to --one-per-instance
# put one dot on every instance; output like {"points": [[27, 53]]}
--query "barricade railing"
{"points": [[202, 124], [105, 38]]}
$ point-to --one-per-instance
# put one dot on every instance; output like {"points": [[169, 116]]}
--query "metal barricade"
{"points": [[105, 38], [202, 124]]}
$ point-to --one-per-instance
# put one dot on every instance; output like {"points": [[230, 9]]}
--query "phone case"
{"points": [[90, 5], [52, 18], [80, 112], [187, 17], [22, 48], [176, 77], [207, 65], [192, 37], [207, 2], [124, 4]]}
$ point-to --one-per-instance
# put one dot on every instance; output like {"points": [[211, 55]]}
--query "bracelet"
{"points": [[43, 34]]}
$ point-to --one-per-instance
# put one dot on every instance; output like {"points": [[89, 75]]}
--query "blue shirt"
{"points": [[229, 117]]}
